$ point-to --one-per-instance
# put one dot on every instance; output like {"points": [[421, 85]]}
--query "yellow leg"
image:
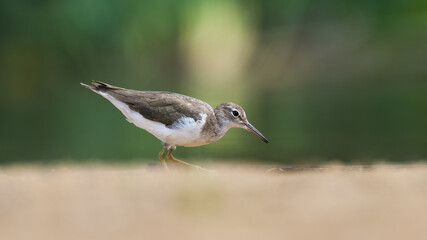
{"points": [[173, 159], [162, 159]]}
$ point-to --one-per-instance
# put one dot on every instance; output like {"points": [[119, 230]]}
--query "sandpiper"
{"points": [[175, 119]]}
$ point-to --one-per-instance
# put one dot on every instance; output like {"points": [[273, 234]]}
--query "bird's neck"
{"points": [[215, 127], [222, 125]]}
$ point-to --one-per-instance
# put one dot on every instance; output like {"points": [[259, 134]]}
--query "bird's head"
{"points": [[232, 115]]}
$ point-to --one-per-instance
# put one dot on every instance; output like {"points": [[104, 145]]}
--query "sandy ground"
{"points": [[133, 202]]}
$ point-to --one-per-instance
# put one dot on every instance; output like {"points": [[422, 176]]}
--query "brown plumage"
{"points": [[164, 107]]}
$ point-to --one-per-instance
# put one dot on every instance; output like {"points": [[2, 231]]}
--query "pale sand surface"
{"points": [[236, 202]]}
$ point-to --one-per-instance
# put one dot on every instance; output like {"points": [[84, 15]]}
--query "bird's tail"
{"points": [[99, 87]]}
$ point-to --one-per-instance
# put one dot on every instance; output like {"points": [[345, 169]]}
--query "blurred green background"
{"points": [[322, 80]]}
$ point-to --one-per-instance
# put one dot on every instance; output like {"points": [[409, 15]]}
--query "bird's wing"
{"points": [[164, 107]]}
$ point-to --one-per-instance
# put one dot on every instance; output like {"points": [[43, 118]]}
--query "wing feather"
{"points": [[164, 107]]}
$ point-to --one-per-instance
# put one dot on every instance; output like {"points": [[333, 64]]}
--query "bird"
{"points": [[175, 119]]}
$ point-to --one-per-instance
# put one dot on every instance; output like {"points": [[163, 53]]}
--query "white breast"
{"points": [[185, 132]]}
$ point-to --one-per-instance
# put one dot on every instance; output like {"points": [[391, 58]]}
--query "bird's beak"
{"points": [[253, 130]]}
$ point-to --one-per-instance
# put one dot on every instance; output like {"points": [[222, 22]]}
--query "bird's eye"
{"points": [[235, 113]]}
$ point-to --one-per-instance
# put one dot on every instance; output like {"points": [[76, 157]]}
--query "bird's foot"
{"points": [[188, 165]]}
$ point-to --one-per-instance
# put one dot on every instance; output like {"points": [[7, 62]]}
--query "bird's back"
{"points": [[167, 112], [164, 107]]}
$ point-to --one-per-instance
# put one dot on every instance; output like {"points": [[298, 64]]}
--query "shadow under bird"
{"points": [[175, 119]]}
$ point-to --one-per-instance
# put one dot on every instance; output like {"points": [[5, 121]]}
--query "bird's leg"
{"points": [[162, 158], [173, 159]]}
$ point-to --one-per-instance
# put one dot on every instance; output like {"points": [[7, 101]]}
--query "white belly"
{"points": [[185, 132]]}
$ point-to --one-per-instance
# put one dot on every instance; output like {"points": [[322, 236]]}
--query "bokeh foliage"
{"points": [[322, 80]]}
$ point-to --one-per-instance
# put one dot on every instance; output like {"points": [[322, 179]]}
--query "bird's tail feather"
{"points": [[98, 86]]}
